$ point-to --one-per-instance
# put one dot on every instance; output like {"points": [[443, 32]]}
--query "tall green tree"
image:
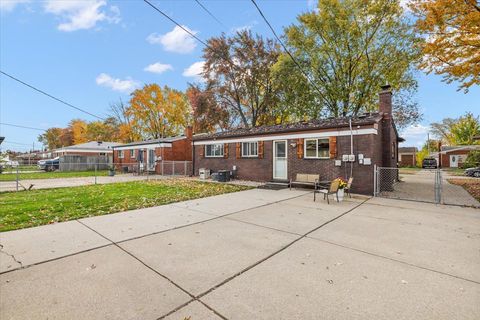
{"points": [[457, 131], [238, 72], [349, 48]]}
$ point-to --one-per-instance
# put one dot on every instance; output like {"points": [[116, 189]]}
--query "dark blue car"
{"points": [[49, 165]]}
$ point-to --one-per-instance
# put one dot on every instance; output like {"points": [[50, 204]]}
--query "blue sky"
{"points": [[93, 52]]}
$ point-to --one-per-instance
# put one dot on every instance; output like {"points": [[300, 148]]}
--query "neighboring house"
{"points": [[454, 156], [150, 154], [279, 152], [407, 156], [92, 148]]}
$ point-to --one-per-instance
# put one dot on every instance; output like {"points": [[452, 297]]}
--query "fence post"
{"points": [[96, 173], [375, 173], [173, 168], [17, 179], [185, 168], [162, 167]]}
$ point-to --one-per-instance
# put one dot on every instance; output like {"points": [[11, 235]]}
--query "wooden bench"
{"points": [[305, 179]]}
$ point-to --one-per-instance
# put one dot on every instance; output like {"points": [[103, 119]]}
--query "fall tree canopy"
{"points": [[238, 72], [459, 131], [207, 115], [452, 32], [156, 112], [349, 48]]}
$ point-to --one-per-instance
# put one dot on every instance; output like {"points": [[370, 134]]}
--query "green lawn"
{"points": [[51, 175], [33, 208]]}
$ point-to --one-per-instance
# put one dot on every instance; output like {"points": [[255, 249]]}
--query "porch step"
{"points": [[274, 185]]}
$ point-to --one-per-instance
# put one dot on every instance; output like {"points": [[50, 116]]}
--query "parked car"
{"points": [[430, 163], [49, 165], [473, 172]]}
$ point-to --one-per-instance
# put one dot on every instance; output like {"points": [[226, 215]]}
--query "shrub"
{"points": [[473, 159]]}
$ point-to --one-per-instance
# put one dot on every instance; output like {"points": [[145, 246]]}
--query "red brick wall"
{"points": [[254, 169], [262, 169], [446, 157]]}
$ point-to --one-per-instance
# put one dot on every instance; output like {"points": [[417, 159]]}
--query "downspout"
{"points": [[351, 144]]}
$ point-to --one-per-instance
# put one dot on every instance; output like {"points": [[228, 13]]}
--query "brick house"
{"points": [[91, 148], [407, 156], [454, 156], [151, 155], [322, 146]]}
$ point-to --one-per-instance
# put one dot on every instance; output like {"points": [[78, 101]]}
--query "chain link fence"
{"points": [[55, 174], [435, 186]]}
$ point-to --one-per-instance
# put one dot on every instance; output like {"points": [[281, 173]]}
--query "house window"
{"points": [[214, 150], [132, 154], [393, 150], [249, 149], [317, 148], [120, 154]]}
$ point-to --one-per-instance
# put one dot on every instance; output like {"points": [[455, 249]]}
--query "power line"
{"points": [[286, 50], [50, 96], [210, 14], [178, 24], [18, 143], [19, 126]]}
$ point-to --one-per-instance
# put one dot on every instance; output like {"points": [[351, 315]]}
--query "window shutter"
{"points": [[225, 150], [333, 147], [239, 155], [300, 148], [260, 149], [202, 151]]}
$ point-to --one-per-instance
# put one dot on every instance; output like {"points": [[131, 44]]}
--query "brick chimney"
{"points": [[385, 103], [389, 143], [189, 132]]}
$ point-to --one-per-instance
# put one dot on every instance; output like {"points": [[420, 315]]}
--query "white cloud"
{"points": [[158, 67], [82, 14], [127, 85], [9, 5], [176, 40], [195, 71], [415, 135]]}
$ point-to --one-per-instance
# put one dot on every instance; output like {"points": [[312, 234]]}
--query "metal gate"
{"points": [[435, 186]]}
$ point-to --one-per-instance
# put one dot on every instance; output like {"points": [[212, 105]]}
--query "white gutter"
{"points": [[270, 137]]}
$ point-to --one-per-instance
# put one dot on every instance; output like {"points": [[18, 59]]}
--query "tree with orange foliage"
{"points": [[79, 131], [158, 112], [452, 45], [208, 116]]}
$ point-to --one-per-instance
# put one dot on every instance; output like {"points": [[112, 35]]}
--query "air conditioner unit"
{"points": [[204, 173]]}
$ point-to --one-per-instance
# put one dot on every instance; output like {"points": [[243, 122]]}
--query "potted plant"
{"points": [[341, 188]]}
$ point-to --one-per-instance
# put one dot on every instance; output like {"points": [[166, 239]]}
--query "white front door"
{"points": [[280, 159], [454, 161]]}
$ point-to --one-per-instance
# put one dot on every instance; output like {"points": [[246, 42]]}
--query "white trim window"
{"points": [[214, 150], [120, 154], [250, 149], [132, 154], [317, 148]]}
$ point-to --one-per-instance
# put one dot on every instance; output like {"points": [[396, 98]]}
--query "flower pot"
{"points": [[111, 172], [341, 194]]}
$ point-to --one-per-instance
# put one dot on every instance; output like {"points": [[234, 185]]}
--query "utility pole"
{"points": [[428, 143]]}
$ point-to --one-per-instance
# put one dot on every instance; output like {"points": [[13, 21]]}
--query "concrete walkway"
{"points": [[256, 254]]}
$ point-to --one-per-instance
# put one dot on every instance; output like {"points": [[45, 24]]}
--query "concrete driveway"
{"points": [[256, 254]]}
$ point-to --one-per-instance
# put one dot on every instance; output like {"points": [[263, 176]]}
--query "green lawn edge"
{"points": [[26, 209]]}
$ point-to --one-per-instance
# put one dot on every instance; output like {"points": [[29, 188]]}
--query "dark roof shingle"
{"points": [[327, 123]]}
